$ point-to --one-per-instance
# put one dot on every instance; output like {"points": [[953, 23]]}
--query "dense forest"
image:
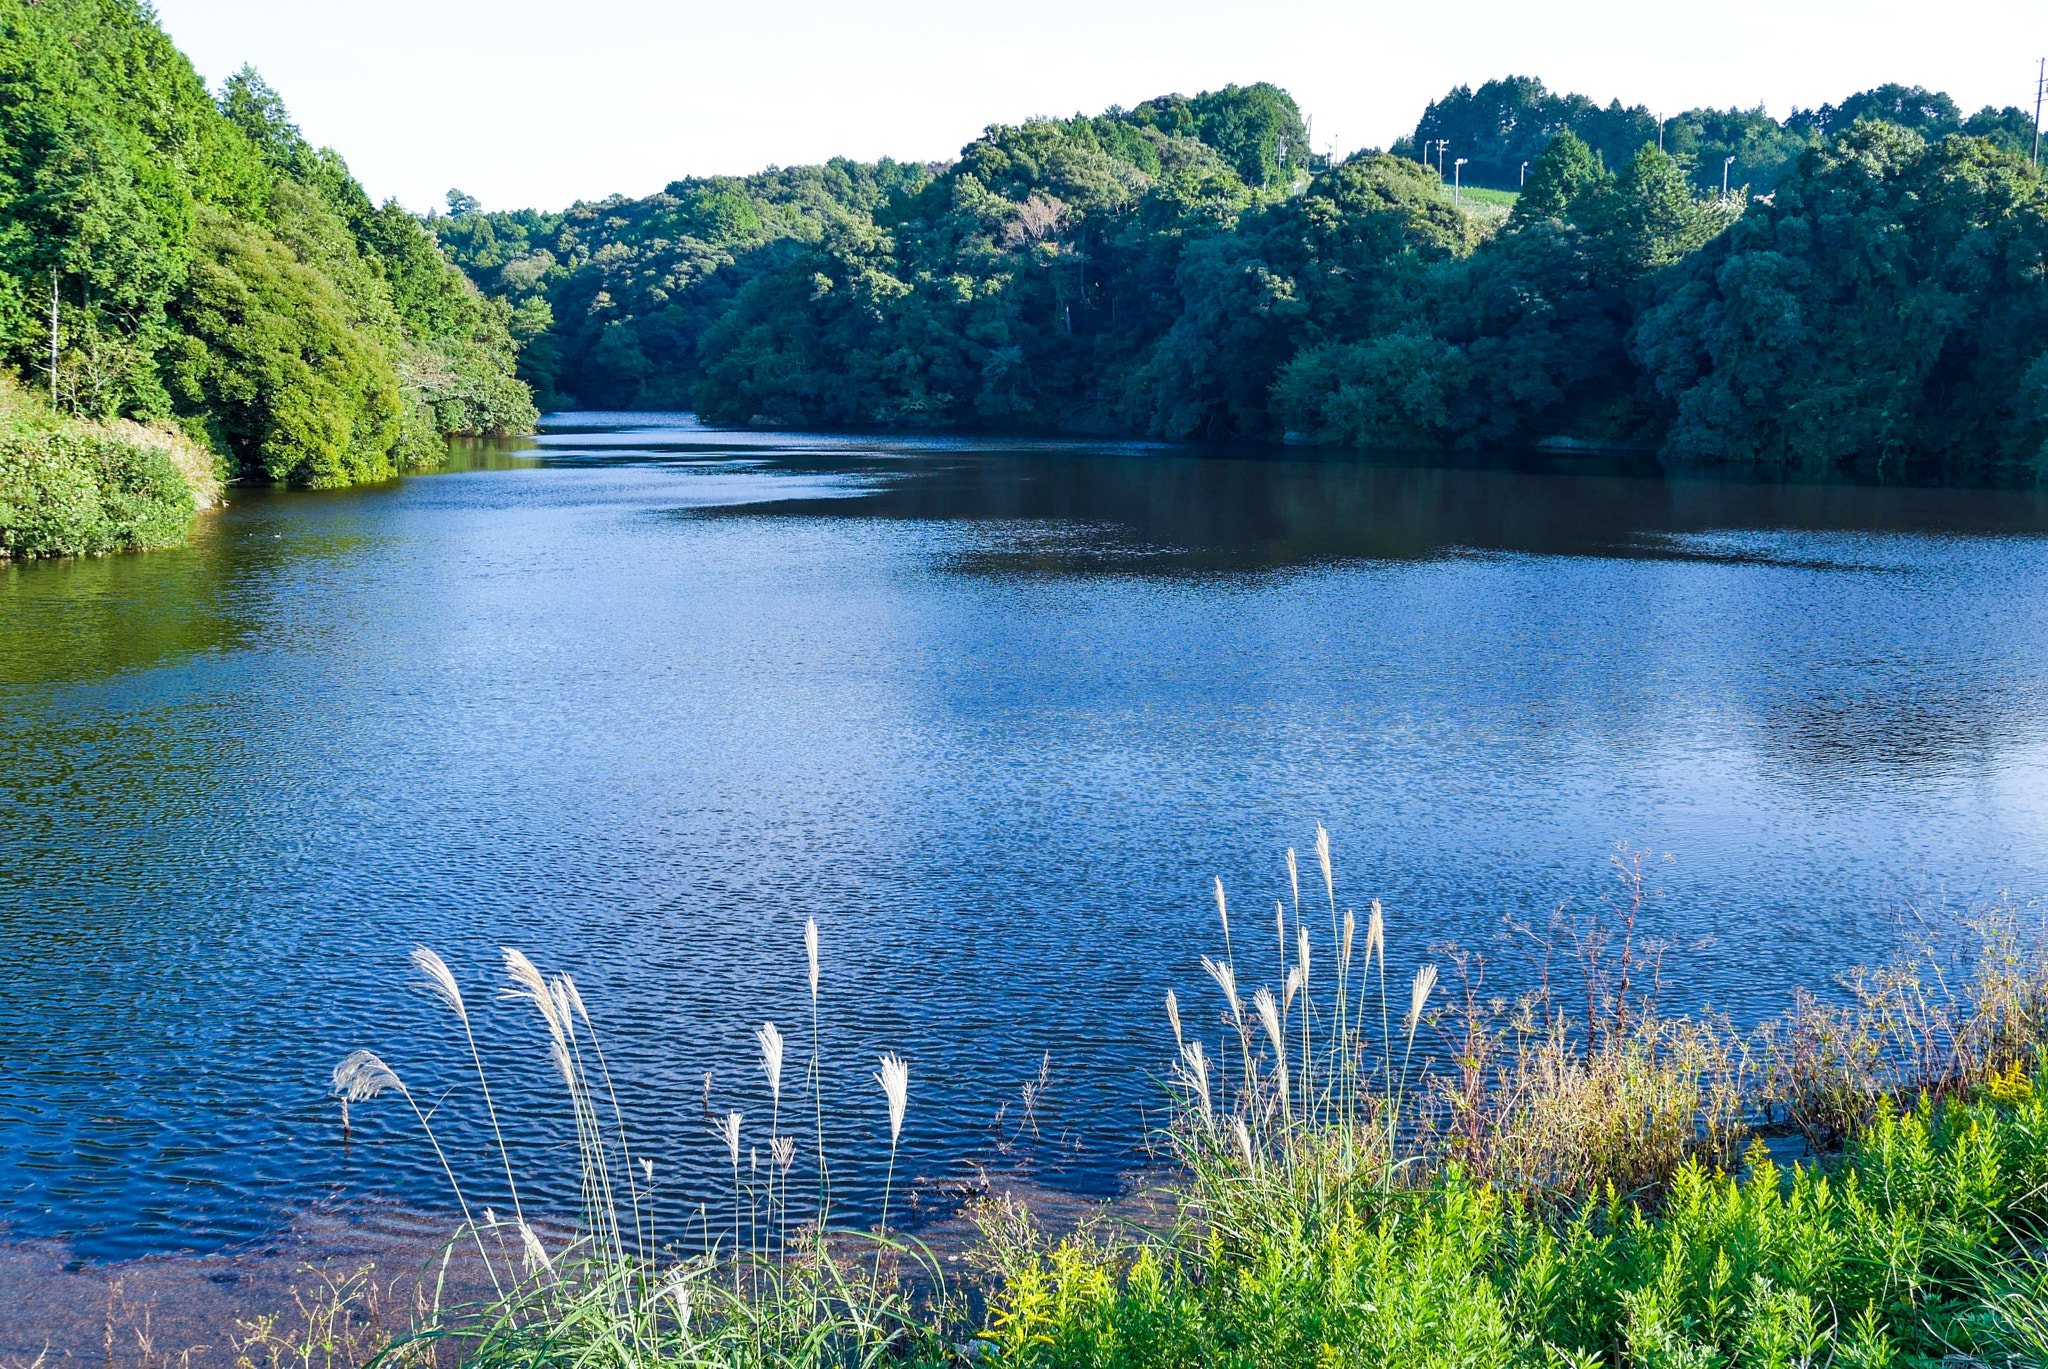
{"points": [[186, 263], [1868, 291]]}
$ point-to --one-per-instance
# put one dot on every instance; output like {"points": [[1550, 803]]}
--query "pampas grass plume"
{"points": [[771, 1057], [894, 1077], [441, 981], [1173, 1016], [811, 952], [1323, 858], [728, 1131], [1418, 996]]}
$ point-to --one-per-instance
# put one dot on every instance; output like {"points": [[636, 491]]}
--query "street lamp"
{"points": [[1525, 174], [1726, 162], [1457, 177]]}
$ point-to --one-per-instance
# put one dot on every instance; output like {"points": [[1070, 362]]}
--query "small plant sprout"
{"points": [[894, 1077]]}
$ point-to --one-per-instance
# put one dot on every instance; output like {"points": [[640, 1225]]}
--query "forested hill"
{"points": [[1869, 292], [213, 271]]}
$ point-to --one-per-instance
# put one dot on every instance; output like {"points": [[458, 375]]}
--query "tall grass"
{"points": [[1380, 1169], [1573, 1177], [779, 1286]]}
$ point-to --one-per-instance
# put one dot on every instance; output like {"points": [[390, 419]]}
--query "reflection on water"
{"points": [[639, 697]]}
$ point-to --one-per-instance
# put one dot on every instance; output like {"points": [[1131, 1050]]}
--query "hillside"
{"points": [[188, 258]]}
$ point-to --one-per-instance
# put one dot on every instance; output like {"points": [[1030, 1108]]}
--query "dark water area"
{"points": [[638, 697]]}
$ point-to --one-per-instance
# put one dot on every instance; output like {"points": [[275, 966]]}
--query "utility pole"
{"points": [[2040, 84], [53, 337], [1441, 144]]}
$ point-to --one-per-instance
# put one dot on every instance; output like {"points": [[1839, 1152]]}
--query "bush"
{"points": [[75, 489]]}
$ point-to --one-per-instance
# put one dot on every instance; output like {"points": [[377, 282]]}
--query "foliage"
{"points": [[1889, 305], [1184, 269], [70, 487], [195, 259]]}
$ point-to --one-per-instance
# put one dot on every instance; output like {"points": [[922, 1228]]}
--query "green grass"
{"points": [[1504, 198]]}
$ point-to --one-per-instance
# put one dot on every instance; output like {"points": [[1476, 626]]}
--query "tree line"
{"points": [[1869, 290]]}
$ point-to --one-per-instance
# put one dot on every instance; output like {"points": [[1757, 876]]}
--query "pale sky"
{"points": [[523, 103]]}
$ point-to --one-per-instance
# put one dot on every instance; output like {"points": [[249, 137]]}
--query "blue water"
{"points": [[639, 697]]}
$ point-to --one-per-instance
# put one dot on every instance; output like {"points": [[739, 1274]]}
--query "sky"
{"points": [[523, 104]]}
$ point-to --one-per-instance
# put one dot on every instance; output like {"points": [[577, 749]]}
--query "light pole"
{"points": [[1457, 178], [2040, 85], [1726, 162], [1441, 144], [1525, 175]]}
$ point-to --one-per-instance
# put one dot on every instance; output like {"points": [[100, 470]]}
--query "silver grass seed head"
{"points": [[1226, 980], [1222, 906], [536, 1253], [1376, 936], [1195, 1071], [1294, 876], [728, 1130], [894, 1077], [1269, 1014], [566, 985], [1173, 1016], [1294, 983], [1323, 859], [529, 983], [440, 981], [1244, 1142], [811, 952], [784, 1148], [363, 1075], [565, 1007], [771, 1057], [1418, 995], [1351, 930], [1301, 951]]}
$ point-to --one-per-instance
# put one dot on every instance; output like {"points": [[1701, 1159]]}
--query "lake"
{"points": [[639, 697]]}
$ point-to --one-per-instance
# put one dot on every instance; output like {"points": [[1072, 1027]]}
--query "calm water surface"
{"points": [[641, 696]]}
